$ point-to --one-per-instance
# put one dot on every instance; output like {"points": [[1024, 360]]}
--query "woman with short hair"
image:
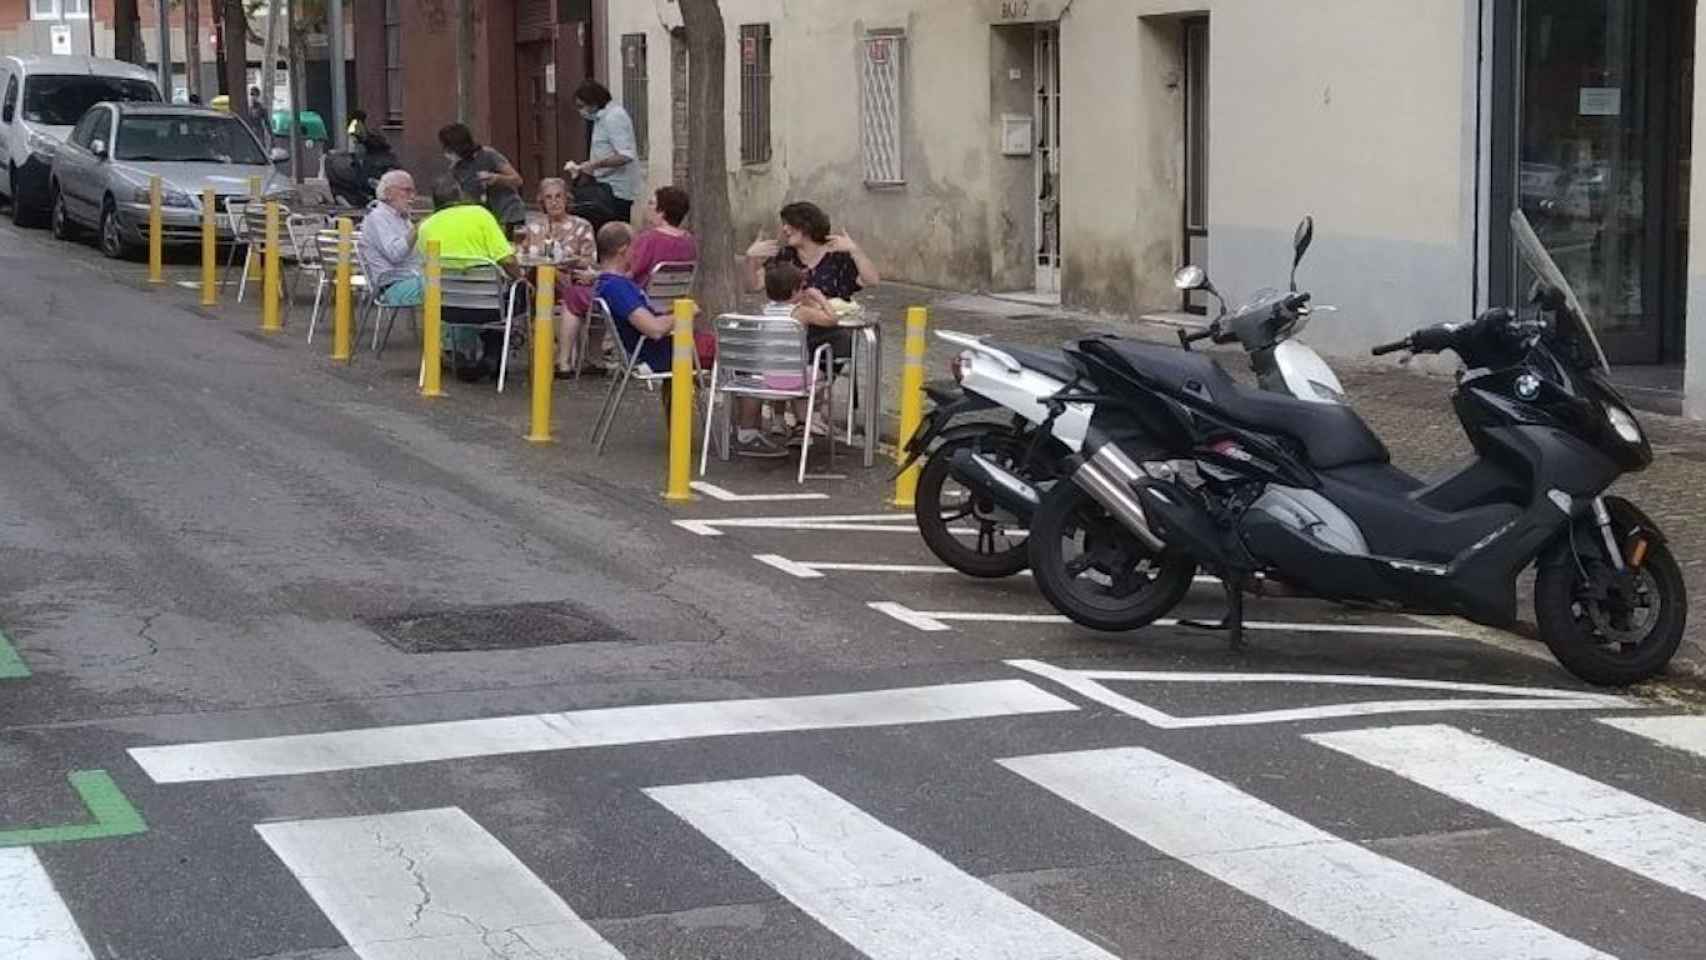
{"points": [[485, 174], [613, 158]]}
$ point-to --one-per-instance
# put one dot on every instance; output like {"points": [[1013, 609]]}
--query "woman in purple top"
{"points": [[663, 241]]}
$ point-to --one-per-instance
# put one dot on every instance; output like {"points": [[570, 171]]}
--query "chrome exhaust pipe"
{"points": [[1008, 491], [1107, 477]]}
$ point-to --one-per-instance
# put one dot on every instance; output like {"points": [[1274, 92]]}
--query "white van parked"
{"points": [[41, 98]]}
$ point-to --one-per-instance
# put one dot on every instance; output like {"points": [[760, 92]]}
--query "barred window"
{"points": [[634, 92], [881, 99], [755, 93], [393, 62]]}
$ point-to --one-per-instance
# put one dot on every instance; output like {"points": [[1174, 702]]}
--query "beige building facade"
{"points": [[1081, 150]]}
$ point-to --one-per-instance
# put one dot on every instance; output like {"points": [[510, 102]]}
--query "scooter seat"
{"points": [[1332, 434], [1052, 363]]}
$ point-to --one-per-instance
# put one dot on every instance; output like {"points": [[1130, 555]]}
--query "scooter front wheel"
{"points": [[1612, 629], [1098, 573]]}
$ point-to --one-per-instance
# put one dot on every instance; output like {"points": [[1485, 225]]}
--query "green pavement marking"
{"points": [[11, 665], [114, 816]]}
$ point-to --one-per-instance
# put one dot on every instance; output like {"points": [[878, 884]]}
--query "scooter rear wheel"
{"points": [[1098, 573], [995, 552], [1624, 637]]}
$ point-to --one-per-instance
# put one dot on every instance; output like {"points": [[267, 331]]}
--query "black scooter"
{"points": [[1303, 493]]}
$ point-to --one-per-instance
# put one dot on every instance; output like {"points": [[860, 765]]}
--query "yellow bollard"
{"points": [[432, 350], [156, 228], [341, 294], [681, 405], [911, 403], [544, 355], [209, 248], [270, 274]]}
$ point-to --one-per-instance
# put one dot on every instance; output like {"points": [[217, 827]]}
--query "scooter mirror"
{"points": [[1190, 277], [1300, 245]]}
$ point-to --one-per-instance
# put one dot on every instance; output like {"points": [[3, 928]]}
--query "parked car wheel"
{"points": [[63, 226], [23, 214], [113, 243]]}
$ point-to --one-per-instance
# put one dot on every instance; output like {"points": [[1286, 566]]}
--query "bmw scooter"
{"points": [[1303, 492]]}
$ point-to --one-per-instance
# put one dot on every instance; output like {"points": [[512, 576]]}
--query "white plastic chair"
{"points": [[762, 357]]}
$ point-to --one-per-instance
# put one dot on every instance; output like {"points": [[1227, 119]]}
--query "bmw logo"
{"points": [[1528, 386]]}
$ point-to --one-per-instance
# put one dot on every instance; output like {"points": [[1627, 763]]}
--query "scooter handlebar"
{"points": [[1392, 347]]}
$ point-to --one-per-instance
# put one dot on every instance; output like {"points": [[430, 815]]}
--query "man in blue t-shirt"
{"points": [[629, 308]]}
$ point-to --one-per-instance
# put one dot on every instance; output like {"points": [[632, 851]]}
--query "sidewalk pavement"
{"points": [[1407, 407]]}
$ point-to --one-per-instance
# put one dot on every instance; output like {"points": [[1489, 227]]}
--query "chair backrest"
{"points": [[304, 227], [758, 346], [671, 281], [473, 285], [255, 218], [626, 334], [327, 241]]}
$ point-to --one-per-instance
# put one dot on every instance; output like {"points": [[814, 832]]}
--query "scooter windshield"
{"points": [[1571, 323]]}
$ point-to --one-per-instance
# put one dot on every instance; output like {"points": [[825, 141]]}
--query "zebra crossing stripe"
{"points": [[1681, 732], [1383, 908], [879, 890], [1583, 814], [429, 885], [604, 727], [34, 921]]}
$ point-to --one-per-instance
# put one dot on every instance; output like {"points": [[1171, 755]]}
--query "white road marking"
{"points": [[718, 493], [1601, 821], [429, 885], [815, 569], [1682, 733], [941, 618], [1089, 684], [35, 924], [611, 726], [713, 526], [888, 896], [1376, 905]]}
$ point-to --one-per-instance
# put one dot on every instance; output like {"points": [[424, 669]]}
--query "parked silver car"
{"points": [[100, 176]]}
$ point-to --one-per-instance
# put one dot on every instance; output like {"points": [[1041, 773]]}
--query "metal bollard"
{"points": [[681, 405], [270, 274], [544, 355], [911, 404], [432, 319], [156, 228], [341, 294], [209, 248]]}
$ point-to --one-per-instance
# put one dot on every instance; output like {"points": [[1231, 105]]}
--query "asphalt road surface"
{"points": [[296, 665]]}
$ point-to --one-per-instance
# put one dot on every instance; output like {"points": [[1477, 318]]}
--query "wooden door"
{"points": [[536, 114]]}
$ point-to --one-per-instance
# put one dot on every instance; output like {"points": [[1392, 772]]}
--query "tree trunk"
{"points": [[713, 220], [192, 48], [294, 44], [127, 32], [234, 53]]}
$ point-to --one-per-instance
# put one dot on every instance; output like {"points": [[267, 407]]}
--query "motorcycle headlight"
{"points": [[1624, 423], [41, 145]]}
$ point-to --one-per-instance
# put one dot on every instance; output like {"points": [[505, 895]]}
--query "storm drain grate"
{"points": [[512, 627]]}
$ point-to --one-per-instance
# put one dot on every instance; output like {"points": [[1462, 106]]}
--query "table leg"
{"points": [[873, 397]]}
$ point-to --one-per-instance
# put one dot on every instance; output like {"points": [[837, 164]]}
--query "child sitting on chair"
{"points": [[784, 285]]}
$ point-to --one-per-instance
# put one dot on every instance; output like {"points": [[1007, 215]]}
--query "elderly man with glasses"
{"points": [[387, 244]]}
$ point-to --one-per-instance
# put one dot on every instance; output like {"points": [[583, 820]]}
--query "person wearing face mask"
{"points": [[485, 175], [613, 159]]}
